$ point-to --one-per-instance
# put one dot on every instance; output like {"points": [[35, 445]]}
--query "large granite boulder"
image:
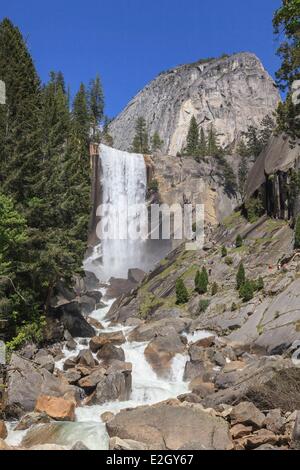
{"points": [[171, 427]]}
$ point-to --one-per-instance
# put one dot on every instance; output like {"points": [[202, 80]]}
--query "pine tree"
{"points": [[239, 241], [242, 149], [140, 142], [214, 289], [254, 143], [202, 144], [20, 149], [260, 284], [182, 295], [156, 142], [246, 291], [242, 175], [201, 281], [213, 149], [95, 98], [297, 234], [267, 126], [240, 277], [224, 251], [192, 141]]}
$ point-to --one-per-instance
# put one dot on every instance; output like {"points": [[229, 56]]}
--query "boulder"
{"points": [[161, 350], [201, 388], [72, 376], [259, 438], [3, 430], [157, 426], [109, 352], [45, 362], [115, 443], [31, 419], [57, 408], [247, 413], [107, 416], [71, 344], [85, 358], [95, 323], [87, 304], [136, 275], [25, 383], [116, 337], [90, 382], [274, 421], [233, 366], [148, 331], [240, 430], [112, 387], [71, 317], [118, 287]]}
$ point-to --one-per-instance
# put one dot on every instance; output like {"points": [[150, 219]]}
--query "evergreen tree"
{"points": [[224, 251], [201, 281], [297, 234], [239, 241], [182, 295], [156, 142], [214, 289], [254, 144], [213, 148], [242, 175], [267, 126], [20, 149], [246, 291], [96, 106], [260, 284], [287, 20], [240, 277], [192, 141], [140, 142], [242, 149], [202, 144]]}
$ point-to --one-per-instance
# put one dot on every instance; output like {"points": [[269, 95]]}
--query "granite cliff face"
{"points": [[231, 93]]}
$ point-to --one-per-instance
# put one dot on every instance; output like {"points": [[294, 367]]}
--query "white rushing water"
{"points": [[124, 186]]}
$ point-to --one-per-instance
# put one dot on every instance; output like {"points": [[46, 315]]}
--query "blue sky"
{"points": [[130, 41]]}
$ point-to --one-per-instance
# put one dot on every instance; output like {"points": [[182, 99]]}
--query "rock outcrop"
{"points": [[231, 93]]}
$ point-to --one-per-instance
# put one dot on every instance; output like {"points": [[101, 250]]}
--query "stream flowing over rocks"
{"points": [[129, 369]]}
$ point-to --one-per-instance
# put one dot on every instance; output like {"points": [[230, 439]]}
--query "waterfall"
{"points": [[123, 182]]}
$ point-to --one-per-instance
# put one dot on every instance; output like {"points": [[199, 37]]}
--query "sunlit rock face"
{"points": [[231, 93]]}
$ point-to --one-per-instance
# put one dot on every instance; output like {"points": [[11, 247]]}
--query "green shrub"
{"points": [[233, 307], [30, 333], [260, 284], [246, 291], [201, 281], [149, 305], [229, 261], [239, 241], [224, 251], [214, 289], [182, 295], [254, 208], [297, 234], [153, 186], [240, 277], [203, 305]]}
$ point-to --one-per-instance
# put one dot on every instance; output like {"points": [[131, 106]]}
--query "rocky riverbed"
{"points": [[143, 367]]}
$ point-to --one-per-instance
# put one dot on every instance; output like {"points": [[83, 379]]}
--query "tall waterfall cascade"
{"points": [[122, 224], [123, 182]]}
